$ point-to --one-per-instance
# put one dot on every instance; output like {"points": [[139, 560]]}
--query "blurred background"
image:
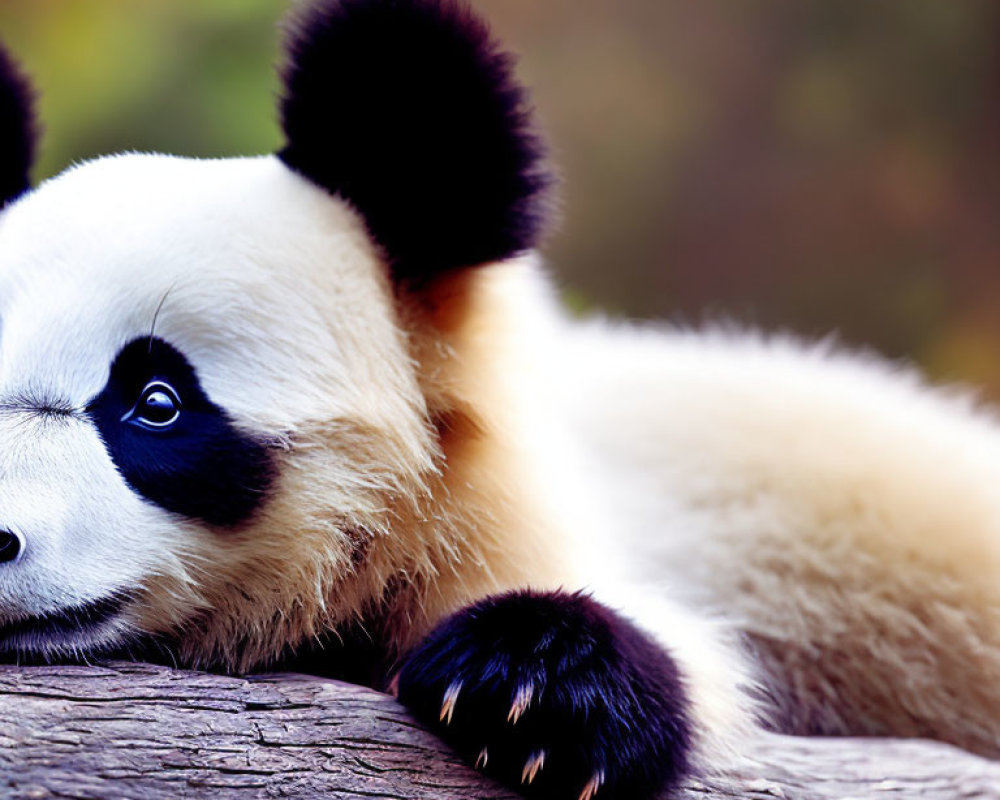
{"points": [[815, 166]]}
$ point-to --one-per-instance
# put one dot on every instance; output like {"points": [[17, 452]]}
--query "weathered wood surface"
{"points": [[135, 731]]}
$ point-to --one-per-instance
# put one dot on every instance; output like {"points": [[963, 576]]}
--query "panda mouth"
{"points": [[73, 624]]}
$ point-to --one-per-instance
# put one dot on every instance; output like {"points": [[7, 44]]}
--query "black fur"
{"points": [[604, 700], [17, 131], [201, 467], [409, 110]]}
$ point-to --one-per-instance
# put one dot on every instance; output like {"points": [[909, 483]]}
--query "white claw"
{"points": [[450, 698], [522, 699], [533, 766], [482, 759], [592, 786]]}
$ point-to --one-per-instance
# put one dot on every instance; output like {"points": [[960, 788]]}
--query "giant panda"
{"points": [[322, 408]]}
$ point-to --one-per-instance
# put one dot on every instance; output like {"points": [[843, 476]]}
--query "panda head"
{"points": [[215, 426]]}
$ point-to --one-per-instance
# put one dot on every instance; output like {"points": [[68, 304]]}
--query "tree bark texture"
{"points": [[123, 731]]}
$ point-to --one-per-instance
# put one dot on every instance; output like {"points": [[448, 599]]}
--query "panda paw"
{"points": [[553, 695]]}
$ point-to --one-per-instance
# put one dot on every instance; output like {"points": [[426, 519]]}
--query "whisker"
{"points": [[156, 315]]}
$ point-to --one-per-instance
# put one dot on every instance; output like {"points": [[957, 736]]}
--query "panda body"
{"points": [[253, 406], [820, 500]]}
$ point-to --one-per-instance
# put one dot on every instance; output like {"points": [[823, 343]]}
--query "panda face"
{"points": [[225, 385], [175, 356]]}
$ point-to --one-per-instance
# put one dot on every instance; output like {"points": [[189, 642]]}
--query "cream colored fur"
{"points": [[842, 513], [436, 446]]}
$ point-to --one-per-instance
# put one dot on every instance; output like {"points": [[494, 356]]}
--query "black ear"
{"points": [[17, 130], [410, 111]]}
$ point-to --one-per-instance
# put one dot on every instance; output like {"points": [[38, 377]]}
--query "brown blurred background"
{"points": [[818, 165]]}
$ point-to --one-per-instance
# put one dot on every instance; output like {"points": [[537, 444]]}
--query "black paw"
{"points": [[553, 695]]}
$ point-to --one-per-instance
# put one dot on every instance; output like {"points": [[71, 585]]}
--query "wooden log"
{"points": [[122, 730]]}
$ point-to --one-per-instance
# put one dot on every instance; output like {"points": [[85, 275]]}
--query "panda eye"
{"points": [[158, 407]]}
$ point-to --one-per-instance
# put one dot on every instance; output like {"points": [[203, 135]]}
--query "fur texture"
{"points": [[189, 459], [441, 440], [555, 693], [835, 507], [17, 130], [410, 111]]}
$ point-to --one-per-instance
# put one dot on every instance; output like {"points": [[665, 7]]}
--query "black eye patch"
{"points": [[173, 445]]}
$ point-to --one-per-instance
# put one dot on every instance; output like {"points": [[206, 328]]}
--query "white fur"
{"points": [[840, 512], [232, 250], [834, 510]]}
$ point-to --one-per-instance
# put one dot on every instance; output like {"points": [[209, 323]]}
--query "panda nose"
{"points": [[10, 546]]}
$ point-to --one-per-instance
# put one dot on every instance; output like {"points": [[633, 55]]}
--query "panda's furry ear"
{"points": [[17, 130], [409, 111]]}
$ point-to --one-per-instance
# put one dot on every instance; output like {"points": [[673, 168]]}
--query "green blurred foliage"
{"points": [[820, 165], [182, 76]]}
